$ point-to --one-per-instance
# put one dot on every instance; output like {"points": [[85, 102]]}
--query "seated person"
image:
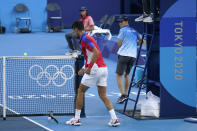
{"points": [[148, 10], [88, 25]]}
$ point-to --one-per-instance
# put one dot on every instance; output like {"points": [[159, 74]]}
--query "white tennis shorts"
{"points": [[96, 77]]}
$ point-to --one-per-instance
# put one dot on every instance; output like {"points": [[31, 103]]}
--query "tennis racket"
{"points": [[51, 116]]}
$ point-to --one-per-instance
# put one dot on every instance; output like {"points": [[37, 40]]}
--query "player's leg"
{"points": [[102, 84], [86, 82], [79, 104], [102, 94], [104, 98]]}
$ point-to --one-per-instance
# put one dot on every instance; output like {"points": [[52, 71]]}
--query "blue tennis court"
{"points": [[96, 115], [40, 58]]}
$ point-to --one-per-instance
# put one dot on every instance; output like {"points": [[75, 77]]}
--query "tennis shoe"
{"points": [[74, 121], [114, 122]]}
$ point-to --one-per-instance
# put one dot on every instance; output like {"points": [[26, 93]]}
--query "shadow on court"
{"points": [[18, 123]]}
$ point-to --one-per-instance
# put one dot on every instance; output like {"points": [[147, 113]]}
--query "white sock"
{"points": [[77, 113], [113, 114]]}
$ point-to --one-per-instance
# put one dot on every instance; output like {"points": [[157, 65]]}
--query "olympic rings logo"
{"points": [[40, 73]]}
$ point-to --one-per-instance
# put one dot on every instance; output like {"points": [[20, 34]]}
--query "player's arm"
{"points": [[93, 60], [95, 55], [81, 71]]}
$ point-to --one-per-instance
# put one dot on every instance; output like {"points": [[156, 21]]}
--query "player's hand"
{"points": [[87, 70], [81, 72]]}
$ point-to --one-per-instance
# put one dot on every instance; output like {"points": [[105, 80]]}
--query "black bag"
{"points": [[24, 30], [2, 29]]}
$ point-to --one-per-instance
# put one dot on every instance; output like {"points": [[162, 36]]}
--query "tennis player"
{"points": [[94, 73]]}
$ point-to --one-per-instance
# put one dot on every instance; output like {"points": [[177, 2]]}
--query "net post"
{"points": [[78, 65], [4, 88]]}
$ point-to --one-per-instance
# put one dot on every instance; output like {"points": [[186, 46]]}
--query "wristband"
{"points": [[90, 65]]}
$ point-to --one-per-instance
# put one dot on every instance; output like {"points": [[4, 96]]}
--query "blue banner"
{"points": [[178, 59]]}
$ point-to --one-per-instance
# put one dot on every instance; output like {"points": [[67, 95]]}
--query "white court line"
{"points": [[37, 123], [26, 118]]}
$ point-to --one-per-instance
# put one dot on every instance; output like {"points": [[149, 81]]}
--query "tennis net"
{"points": [[37, 85]]}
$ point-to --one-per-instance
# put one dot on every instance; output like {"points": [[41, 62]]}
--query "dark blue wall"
{"points": [[70, 9], [97, 8], [132, 7]]}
